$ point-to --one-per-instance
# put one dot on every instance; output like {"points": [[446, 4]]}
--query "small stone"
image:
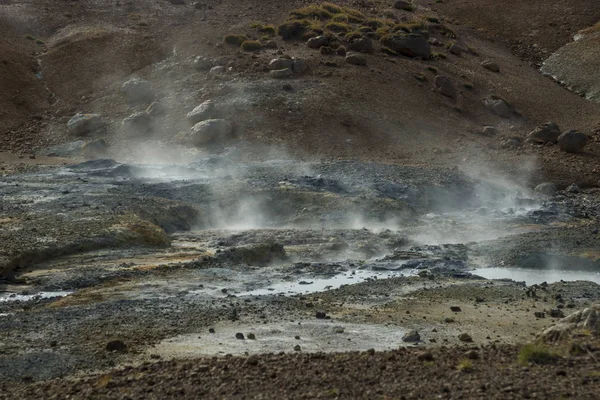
{"points": [[539, 314], [251, 336], [326, 50], [573, 188], [472, 355], [281, 73], [489, 131], [202, 368], [280, 63], [82, 124], [490, 65], [94, 149], [202, 64], [362, 45], [155, 357], [297, 337], [139, 123], [271, 44], [288, 88], [252, 360], [455, 309], [297, 348], [299, 65], [116, 346], [53, 343], [499, 107], [545, 133], [217, 70], [156, 109], [465, 337], [425, 356], [239, 336], [317, 42], [137, 90], [206, 110], [338, 329], [455, 49], [211, 330], [411, 337], [444, 86], [556, 313], [403, 5], [209, 132], [448, 320], [320, 315]]}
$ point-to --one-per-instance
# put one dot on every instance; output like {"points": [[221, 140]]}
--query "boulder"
{"points": [[455, 49], [280, 63], [217, 70], [139, 123], [83, 124], [545, 133], [281, 73], [546, 188], [326, 50], [270, 44], [489, 131], [403, 5], [408, 44], [356, 59], [94, 149], [362, 45], [587, 320], [210, 131], [499, 107], [411, 337], [299, 65], [137, 90], [443, 86], [206, 110], [492, 66], [572, 141], [573, 188], [317, 42], [203, 64], [156, 109]]}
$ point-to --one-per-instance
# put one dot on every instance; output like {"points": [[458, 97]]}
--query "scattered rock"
{"points": [[117, 346], [202, 63], [252, 360], [95, 149], [545, 133], [270, 44], [317, 42], [425, 356], [572, 141], [210, 131], [83, 124], [539, 314], [211, 330], [321, 315], [239, 336], [556, 313], [443, 86], [403, 5], [411, 337], [326, 50], [455, 49], [281, 63], [408, 44], [137, 90], [362, 45], [288, 88], [587, 319], [546, 188], [499, 107], [156, 109], [356, 59], [489, 131], [297, 348], [573, 188], [299, 65], [455, 309], [281, 73], [338, 329], [251, 336], [206, 110], [492, 66], [139, 123], [449, 320], [217, 70], [472, 355], [465, 337], [341, 51]]}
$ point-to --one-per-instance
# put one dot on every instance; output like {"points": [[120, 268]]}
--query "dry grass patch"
{"points": [[234, 39], [251, 45], [537, 354]]}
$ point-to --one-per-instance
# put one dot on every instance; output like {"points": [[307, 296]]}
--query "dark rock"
{"points": [[320, 315], [572, 141], [546, 188], [556, 313], [281, 73], [455, 309], [356, 59], [443, 86], [95, 149], [317, 42], [499, 107], [270, 44], [299, 65], [573, 188], [545, 133], [411, 337], [326, 50], [490, 65], [409, 44], [251, 336], [252, 360], [465, 337], [489, 131], [239, 336], [211, 330], [539, 314], [472, 355], [455, 49], [362, 45], [297, 348], [116, 345], [83, 124], [403, 5], [425, 356]]}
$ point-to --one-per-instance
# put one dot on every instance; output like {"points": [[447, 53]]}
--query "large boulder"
{"points": [[210, 131], [444, 86], [572, 141], [280, 63], [408, 44], [587, 320], [546, 189], [139, 123], [299, 65], [95, 149], [137, 90], [490, 65], [362, 45], [356, 59], [317, 42], [403, 5], [545, 133], [83, 124], [206, 110], [500, 108]]}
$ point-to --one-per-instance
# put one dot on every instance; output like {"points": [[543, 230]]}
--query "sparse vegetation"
{"points": [[332, 8], [465, 365], [251, 45], [421, 77], [29, 37], [591, 29], [291, 29], [438, 56], [353, 36], [312, 12], [40, 42], [432, 69], [269, 30], [537, 354], [234, 40], [434, 20], [388, 51], [338, 27]]}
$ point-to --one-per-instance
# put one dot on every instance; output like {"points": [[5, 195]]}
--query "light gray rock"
{"points": [[572, 141], [356, 59], [546, 188], [139, 123], [280, 63], [137, 90], [206, 110], [281, 73], [545, 133], [210, 131], [218, 70], [83, 124], [587, 320], [203, 64], [499, 107]]}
